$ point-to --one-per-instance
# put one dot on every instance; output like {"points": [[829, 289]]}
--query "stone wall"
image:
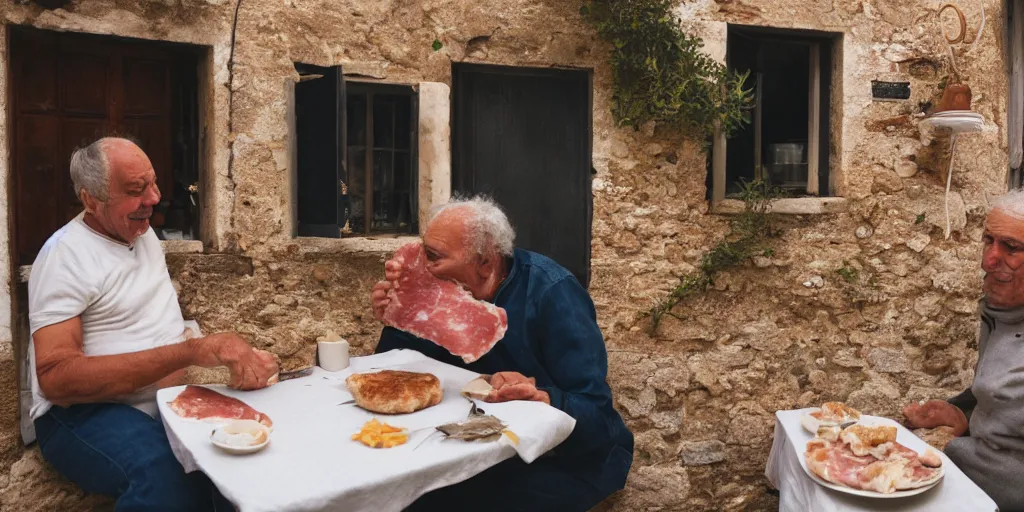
{"points": [[700, 392]]}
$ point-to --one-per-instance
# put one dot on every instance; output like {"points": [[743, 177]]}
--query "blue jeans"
{"points": [[122, 452]]}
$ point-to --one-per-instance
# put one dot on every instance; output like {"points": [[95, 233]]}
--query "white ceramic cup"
{"points": [[333, 355]]}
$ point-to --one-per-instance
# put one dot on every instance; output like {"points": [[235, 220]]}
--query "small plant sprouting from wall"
{"points": [[848, 273], [660, 72], [751, 230]]}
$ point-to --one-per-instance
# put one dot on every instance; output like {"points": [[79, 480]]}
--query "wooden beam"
{"points": [[814, 120]]}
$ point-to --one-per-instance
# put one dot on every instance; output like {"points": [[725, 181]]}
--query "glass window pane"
{"points": [[383, 121], [402, 196], [383, 183], [403, 122], [355, 114], [402, 172], [356, 189]]}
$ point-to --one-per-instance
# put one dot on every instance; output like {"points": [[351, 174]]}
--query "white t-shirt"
{"points": [[124, 296]]}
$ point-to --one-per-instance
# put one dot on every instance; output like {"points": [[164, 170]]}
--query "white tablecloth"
{"points": [[799, 493], [311, 462]]}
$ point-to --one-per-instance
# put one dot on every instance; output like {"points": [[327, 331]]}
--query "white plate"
{"points": [[250, 427], [872, 421], [811, 424]]}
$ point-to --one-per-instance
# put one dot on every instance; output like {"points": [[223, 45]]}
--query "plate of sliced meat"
{"points": [[441, 311], [867, 460], [204, 404]]}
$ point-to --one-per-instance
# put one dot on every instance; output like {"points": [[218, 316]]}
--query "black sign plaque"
{"points": [[890, 90]]}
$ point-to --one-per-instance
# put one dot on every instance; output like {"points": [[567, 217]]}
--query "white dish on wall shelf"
{"points": [[957, 121]]}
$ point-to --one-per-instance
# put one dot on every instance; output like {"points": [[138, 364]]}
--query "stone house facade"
{"points": [[864, 297]]}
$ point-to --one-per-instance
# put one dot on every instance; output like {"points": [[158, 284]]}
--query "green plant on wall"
{"points": [[749, 237], [660, 72]]}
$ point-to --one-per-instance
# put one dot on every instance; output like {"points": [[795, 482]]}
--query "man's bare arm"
{"points": [[67, 376]]}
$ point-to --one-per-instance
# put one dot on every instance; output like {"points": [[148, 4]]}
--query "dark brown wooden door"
{"points": [[523, 135], [68, 90]]}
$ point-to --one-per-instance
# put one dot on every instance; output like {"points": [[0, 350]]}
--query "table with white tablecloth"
{"points": [[798, 492], [312, 463]]}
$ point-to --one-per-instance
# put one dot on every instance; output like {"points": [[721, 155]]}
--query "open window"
{"points": [[787, 142], [356, 155]]}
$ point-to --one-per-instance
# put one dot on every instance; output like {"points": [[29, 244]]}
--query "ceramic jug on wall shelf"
{"points": [[955, 97]]}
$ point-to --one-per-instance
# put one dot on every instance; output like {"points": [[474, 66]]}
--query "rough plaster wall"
{"points": [[700, 393]]}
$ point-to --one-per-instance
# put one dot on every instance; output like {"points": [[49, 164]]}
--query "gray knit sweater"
{"points": [[992, 453]]}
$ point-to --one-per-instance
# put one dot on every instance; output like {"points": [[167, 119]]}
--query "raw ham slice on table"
{"points": [[441, 311], [204, 404]]}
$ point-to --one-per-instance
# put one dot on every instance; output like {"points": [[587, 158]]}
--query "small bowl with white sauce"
{"points": [[240, 437]]}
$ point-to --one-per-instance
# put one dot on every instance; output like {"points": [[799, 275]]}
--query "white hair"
{"points": [[1012, 204], [90, 169], [487, 223]]}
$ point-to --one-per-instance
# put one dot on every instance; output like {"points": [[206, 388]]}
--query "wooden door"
{"points": [[68, 90], [524, 136]]}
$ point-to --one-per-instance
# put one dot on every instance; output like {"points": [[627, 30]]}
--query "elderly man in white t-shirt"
{"points": [[107, 332]]}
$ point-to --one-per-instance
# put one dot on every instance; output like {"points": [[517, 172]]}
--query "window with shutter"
{"points": [[356, 155]]}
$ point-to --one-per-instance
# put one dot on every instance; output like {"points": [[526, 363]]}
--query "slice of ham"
{"points": [[885, 471], [441, 311], [204, 404]]}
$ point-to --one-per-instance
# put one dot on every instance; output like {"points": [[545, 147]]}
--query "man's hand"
{"points": [[379, 295], [936, 413], [510, 386], [249, 368]]}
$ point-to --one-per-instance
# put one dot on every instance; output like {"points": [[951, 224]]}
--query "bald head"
{"points": [[90, 166], [117, 185]]}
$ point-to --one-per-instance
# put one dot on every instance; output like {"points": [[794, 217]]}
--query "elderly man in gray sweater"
{"points": [[988, 418]]}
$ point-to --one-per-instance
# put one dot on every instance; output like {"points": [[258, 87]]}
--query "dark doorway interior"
{"points": [[524, 136]]}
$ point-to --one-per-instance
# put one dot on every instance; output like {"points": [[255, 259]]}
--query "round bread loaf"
{"points": [[394, 392]]}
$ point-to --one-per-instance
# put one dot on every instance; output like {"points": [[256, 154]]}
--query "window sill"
{"points": [[791, 206], [356, 244]]}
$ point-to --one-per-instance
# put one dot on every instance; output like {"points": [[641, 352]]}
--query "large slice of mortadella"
{"points": [[441, 311]]}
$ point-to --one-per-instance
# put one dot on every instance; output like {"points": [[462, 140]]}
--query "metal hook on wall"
{"points": [[961, 35]]}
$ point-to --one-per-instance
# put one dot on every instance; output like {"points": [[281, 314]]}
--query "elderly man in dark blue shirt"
{"points": [[552, 352]]}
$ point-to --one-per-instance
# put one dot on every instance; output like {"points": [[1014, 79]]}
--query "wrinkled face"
{"points": [[448, 257], [1003, 260], [132, 194]]}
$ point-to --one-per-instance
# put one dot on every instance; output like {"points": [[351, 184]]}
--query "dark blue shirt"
{"points": [[552, 336]]}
